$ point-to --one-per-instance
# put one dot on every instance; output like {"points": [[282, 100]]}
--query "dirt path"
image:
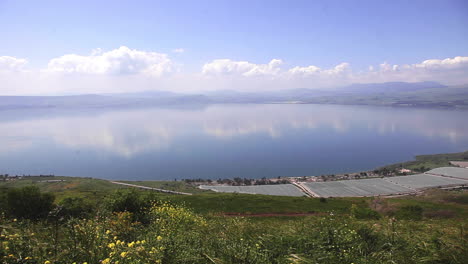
{"points": [[271, 214], [149, 188]]}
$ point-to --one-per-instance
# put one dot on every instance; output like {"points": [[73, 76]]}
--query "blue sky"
{"points": [[299, 33]]}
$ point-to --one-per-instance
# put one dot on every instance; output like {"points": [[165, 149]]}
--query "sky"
{"points": [[73, 47]]}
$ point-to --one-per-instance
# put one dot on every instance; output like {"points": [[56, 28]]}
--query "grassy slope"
{"points": [[248, 203], [430, 161], [438, 202], [89, 188], [453, 203]]}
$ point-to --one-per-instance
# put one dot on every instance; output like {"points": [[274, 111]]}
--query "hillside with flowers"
{"points": [[125, 225]]}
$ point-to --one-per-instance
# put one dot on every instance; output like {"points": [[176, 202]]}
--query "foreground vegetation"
{"points": [[120, 225]]}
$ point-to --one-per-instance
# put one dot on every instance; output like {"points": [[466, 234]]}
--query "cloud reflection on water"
{"points": [[130, 132]]}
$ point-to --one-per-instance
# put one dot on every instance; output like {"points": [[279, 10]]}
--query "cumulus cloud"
{"points": [[314, 70], [129, 70], [451, 71], [243, 68], [121, 61], [8, 64], [449, 63]]}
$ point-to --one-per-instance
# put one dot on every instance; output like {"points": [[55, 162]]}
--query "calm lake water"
{"points": [[222, 141]]}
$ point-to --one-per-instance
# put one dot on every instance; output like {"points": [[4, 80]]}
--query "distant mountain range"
{"points": [[423, 94]]}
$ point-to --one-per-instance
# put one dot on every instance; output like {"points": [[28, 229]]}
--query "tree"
{"points": [[29, 203]]}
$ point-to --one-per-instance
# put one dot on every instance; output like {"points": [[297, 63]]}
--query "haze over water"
{"points": [[223, 141]]}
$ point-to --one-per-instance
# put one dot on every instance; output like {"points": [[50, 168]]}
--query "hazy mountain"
{"points": [[430, 94], [389, 87]]}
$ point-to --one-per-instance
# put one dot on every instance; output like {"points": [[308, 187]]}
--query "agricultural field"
{"points": [[350, 188], [450, 172], [421, 181], [277, 189], [358, 188]]}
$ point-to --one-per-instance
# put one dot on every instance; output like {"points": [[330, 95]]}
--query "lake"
{"points": [[222, 141]]}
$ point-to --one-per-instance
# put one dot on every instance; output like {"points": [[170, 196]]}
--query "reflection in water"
{"points": [[130, 133]]}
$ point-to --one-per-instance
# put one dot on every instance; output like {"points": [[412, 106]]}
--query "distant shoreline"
{"points": [[420, 164]]}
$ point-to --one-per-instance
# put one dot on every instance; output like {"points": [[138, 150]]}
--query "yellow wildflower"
{"points": [[106, 261], [111, 245], [159, 238], [47, 262], [123, 254]]}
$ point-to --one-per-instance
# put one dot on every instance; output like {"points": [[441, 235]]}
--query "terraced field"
{"points": [[450, 172], [421, 181], [349, 188], [277, 189]]}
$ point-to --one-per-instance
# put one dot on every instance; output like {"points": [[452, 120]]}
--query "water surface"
{"points": [[222, 141]]}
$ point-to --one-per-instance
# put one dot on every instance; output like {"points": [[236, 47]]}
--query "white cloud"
{"points": [[8, 64], [129, 70], [243, 68], [179, 50], [450, 71], [449, 63], [314, 70], [121, 61]]}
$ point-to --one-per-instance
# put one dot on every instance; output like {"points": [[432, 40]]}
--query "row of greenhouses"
{"points": [[276, 189], [440, 177]]}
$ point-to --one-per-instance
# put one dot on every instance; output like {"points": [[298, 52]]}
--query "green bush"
{"points": [[363, 213], [75, 207], [131, 201], [29, 203]]}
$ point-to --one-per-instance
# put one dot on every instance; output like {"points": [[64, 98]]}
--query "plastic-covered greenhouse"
{"points": [[420, 181], [451, 172], [277, 189], [349, 188]]}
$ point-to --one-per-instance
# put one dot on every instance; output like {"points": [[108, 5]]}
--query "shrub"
{"points": [[130, 201], [29, 203], [75, 207], [363, 213]]}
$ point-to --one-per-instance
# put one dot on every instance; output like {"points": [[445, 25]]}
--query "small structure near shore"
{"points": [[463, 164]]}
